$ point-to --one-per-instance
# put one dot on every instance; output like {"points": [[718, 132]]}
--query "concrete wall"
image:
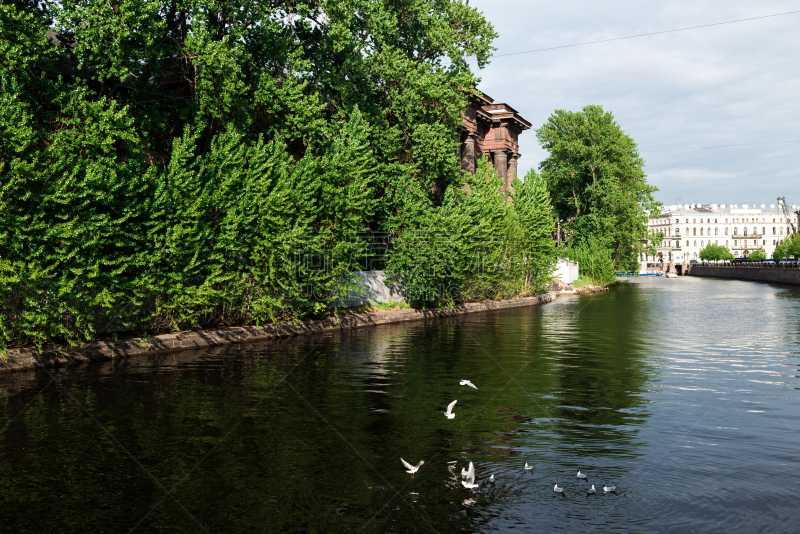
{"points": [[566, 270], [764, 274]]}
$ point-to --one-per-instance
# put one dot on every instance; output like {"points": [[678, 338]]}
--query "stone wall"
{"points": [[757, 274]]}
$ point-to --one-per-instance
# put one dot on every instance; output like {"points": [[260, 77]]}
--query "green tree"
{"points": [[788, 248], [712, 252], [758, 255], [597, 183], [594, 261]]}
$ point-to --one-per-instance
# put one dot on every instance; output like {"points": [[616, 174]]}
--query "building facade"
{"points": [[742, 228], [491, 130]]}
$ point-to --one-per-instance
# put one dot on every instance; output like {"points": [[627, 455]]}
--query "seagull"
{"points": [[412, 468], [591, 491], [464, 472], [582, 476], [609, 489], [491, 478], [468, 383], [528, 467], [449, 413], [557, 489], [470, 482]]}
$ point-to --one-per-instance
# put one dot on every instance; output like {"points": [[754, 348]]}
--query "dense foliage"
{"points": [[758, 254], [597, 183], [712, 252], [594, 261], [478, 245], [168, 165], [788, 248]]}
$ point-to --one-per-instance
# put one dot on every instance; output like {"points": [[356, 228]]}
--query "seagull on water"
{"points": [[528, 467], [469, 483], [609, 489], [491, 478], [449, 413], [591, 491], [468, 383], [582, 476], [412, 468], [559, 491]]}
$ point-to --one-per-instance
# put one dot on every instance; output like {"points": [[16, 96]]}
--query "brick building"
{"points": [[492, 130]]}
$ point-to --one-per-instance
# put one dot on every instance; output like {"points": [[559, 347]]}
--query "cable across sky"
{"points": [[647, 34]]}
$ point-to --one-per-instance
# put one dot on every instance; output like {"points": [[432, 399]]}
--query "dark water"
{"points": [[683, 393]]}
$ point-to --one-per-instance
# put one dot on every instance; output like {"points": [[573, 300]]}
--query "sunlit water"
{"points": [[683, 393]]}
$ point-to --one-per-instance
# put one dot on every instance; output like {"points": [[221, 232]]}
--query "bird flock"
{"points": [[468, 474]]}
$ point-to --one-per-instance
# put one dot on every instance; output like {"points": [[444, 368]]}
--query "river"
{"points": [[683, 393]]}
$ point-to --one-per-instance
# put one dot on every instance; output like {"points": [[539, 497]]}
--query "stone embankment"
{"points": [[19, 359], [756, 272]]}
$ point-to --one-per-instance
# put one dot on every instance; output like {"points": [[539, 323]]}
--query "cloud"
{"points": [[733, 84]]}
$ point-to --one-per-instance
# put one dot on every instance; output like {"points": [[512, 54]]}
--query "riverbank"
{"points": [[750, 272], [29, 358]]}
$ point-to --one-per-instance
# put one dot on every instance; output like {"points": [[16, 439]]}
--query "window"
{"points": [[726, 231], [763, 230], [734, 242], [735, 230], [773, 219], [716, 231], [773, 231], [695, 242], [773, 242], [745, 230], [687, 242], [726, 242], [715, 221], [694, 220], [726, 221], [763, 241], [694, 231], [702, 243], [701, 221], [701, 230], [755, 231], [716, 242], [687, 230]]}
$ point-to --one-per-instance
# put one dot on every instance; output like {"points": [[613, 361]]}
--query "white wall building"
{"points": [[742, 228]]}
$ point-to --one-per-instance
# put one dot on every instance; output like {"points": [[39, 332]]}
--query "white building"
{"points": [[742, 228]]}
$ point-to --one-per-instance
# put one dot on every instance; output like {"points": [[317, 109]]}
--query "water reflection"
{"points": [[655, 386]]}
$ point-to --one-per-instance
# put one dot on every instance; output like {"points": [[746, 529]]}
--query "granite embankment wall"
{"points": [[20, 359], [754, 273]]}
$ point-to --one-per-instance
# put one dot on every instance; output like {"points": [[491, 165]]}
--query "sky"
{"points": [[676, 94]]}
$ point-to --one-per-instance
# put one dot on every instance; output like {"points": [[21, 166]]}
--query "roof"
{"points": [[732, 209]]}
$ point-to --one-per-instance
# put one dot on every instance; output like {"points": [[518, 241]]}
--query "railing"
{"points": [[751, 265]]}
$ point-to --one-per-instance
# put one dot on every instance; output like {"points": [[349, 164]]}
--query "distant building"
{"points": [[690, 227], [492, 130]]}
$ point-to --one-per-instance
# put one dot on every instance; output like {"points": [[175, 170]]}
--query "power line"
{"points": [[647, 34], [720, 146]]}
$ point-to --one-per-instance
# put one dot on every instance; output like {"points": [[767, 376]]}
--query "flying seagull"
{"points": [[609, 489], [449, 413], [591, 491], [469, 483], [468, 383], [582, 476], [412, 468]]}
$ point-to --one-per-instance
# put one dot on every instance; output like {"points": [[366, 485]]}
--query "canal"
{"points": [[683, 393]]}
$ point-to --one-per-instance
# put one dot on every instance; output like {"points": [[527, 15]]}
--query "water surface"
{"points": [[683, 393]]}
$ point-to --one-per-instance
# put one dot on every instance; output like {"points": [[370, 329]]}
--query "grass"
{"points": [[582, 281]]}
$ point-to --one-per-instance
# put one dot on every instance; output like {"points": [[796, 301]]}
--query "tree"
{"points": [[597, 183], [712, 252], [758, 255], [788, 248], [655, 240]]}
